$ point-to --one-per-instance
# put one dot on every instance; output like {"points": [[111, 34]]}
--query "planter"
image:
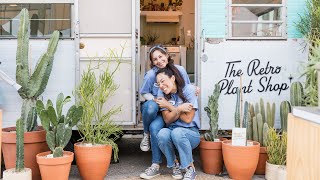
{"points": [[275, 172], [34, 143], [93, 161], [240, 161], [10, 174], [211, 156], [55, 168], [263, 157]]}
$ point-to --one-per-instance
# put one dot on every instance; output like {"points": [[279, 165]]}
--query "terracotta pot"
{"points": [[211, 156], [55, 168], [240, 161], [275, 172], [263, 157], [93, 161], [34, 143]]}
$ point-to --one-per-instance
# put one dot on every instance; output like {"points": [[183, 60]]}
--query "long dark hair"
{"points": [[163, 51], [178, 80]]}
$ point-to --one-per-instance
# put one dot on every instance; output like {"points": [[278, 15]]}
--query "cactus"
{"points": [[246, 115], [256, 109], [260, 128], [262, 110], [19, 146], [271, 114], [296, 94], [33, 84], [58, 126], [255, 129], [237, 111], [249, 127], [285, 109], [213, 114], [265, 134]]}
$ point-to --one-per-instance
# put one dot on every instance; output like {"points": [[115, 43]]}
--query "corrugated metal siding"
{"points": [[295, 7], [213, 19]]}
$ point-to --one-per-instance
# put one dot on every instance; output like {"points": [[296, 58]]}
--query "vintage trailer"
{"points": [[217, 42]]}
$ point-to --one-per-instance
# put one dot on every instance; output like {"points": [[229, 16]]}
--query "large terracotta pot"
{"points": [[34, 143], [211, 156], [55, 168], [240, 161], [263, 157], [93, 161]]}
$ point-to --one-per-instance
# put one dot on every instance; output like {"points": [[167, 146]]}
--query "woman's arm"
{"points": [[187, 117]]}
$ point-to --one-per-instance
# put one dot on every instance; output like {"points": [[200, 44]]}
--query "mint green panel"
{"points": [[213, 18], [295, 7]]}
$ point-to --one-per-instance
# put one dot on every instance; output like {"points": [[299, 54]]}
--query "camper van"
{"points": [[252, 44]]}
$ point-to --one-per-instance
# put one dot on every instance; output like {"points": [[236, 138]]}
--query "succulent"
{"points": [[237, 111], [58, 126], [296, 94], [32, 84], [213, 114], [276, 147], [285, 109]]}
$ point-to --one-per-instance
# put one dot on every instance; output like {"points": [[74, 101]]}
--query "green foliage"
{"points": [[58, 126], [285, 109], [213, 113], [237, 111], [276, 147], [96, 125]]}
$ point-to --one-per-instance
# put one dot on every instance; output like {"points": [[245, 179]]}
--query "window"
{"points": [[257, 19], [44, 19]]}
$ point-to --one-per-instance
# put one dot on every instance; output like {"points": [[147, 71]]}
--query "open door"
{"points": [[108, 25]]}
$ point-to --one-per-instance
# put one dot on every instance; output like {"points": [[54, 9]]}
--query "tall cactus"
{"points": [[262, 110], [296, 94], [255, 135], [213, 114], [246, 114], [265, 134], [260, 128], [33, 83], [250, 122], [30, 83], [237, 111], [271, 114], [58, 126], [285, 109]]}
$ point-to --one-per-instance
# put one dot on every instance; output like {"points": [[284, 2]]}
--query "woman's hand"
{"points": [[185, 107], [162, 102]]}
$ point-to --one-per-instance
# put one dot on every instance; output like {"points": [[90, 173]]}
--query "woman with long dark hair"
{"points": [[152, 119], [179, 108]]}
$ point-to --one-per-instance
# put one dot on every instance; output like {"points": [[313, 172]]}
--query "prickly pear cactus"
{"points": [[58, 126], [213, 114]]}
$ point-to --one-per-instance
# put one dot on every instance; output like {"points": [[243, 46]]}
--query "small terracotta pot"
{"points": [[93, 161], [211, 156], [263, 157], [34, 143], [240, 161], [55, 168]]}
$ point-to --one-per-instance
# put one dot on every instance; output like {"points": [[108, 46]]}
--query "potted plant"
{"points": [[257, 127], [56, 164], [96, 127], [240, 161], [277, 155], [210, 146], [33, 85]]}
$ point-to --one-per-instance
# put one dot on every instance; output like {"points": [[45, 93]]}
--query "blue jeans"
{"points": [[183, 139], [152, 123]]}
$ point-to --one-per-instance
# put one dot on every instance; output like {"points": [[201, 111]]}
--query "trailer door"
{"points": [[108, 25]]}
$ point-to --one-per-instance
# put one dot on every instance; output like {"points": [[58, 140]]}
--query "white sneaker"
{"points": [[145, 142], [151, 172]]}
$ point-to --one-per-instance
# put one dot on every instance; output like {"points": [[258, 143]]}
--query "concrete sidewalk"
{"points": [[132, 161]]}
